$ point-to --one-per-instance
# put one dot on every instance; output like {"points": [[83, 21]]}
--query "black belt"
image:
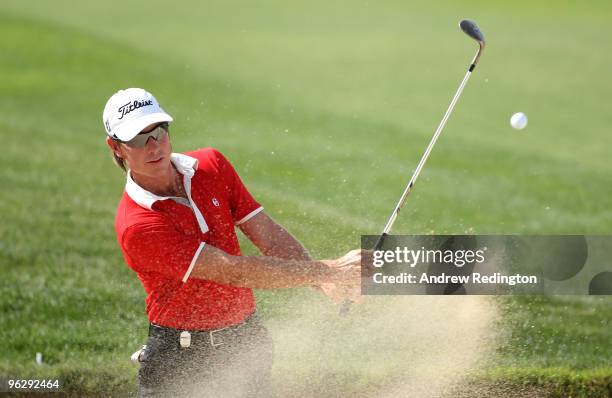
{"points": [[213, 338]]}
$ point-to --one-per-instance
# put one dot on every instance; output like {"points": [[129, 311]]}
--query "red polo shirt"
{"points": [[161, 237]]}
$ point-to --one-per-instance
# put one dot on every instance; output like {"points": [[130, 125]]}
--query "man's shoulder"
{"points": [[130, 214], [204, 154], [209, 159]]}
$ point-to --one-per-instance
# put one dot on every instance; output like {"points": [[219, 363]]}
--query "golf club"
{"points": [[471, 29]]}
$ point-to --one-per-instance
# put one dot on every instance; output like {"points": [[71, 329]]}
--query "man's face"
{"points": [[149, 160]]}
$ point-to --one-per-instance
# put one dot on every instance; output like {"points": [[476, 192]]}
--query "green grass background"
{"points": [[324, 108]]}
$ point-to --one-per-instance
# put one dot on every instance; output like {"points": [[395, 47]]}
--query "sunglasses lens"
{"points": [[141, 139], [159, 133]]}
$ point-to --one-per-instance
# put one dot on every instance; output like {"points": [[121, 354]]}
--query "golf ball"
{"points": [[518, 121]]}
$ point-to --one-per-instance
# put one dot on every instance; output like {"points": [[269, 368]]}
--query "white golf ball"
{"points": [[518, 121]]}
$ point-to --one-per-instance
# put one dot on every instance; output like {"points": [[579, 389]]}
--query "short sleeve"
{"points": [[243, 205], [160, 248]]}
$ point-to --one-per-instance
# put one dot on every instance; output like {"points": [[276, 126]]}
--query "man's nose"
{"points": [[151, 143]]}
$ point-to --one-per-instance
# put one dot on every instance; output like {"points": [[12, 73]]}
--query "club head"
{"points": [[471, 29]]}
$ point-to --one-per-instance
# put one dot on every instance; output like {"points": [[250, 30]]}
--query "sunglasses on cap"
{"points": [[159, 132]]}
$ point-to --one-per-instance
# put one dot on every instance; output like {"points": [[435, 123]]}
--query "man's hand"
{"points": [[350, 259], [346, 283], [338, 294]]}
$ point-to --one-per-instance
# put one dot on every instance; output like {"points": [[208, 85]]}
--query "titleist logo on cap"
{"points": [[131, 106], [129, 111]]}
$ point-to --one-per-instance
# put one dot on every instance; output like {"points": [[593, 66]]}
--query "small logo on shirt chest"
{"points": [[215, 202]]}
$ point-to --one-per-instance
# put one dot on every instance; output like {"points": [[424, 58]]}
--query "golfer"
{"points": [[175, 224]]}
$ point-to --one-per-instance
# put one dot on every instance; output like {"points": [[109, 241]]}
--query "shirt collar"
{"points": [[186, 165]]}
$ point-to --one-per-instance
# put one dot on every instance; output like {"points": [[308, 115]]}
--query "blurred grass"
{"points": [[554, 382], [560, 331], [324, 108]]}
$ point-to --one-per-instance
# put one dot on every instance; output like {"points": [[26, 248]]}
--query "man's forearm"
{"points": [[271, 272], [272, 239], [259, 272], [284, 245]]}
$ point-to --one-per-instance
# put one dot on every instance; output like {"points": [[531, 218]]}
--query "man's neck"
{"points": [[168, 183]]}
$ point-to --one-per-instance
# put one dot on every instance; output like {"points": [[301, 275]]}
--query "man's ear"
{"points": [[114, 146]]}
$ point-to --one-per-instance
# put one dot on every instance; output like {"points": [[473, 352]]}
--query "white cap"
{"points": [[129, 111]]}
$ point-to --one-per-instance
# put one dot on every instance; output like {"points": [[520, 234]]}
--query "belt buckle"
{"points": [[185, 339], [211, 334]]}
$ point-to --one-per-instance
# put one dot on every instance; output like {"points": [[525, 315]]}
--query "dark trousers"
{"points": [[234, 362]]}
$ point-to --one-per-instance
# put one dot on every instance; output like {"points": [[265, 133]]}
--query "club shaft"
{"points": [[428, 150], [346, 305]]}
